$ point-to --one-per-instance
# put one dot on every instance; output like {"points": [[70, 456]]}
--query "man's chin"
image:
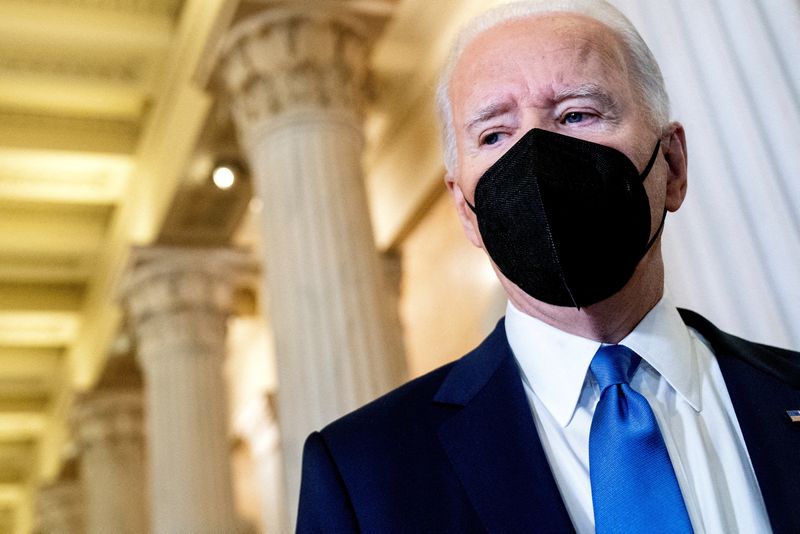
{"points": [[607, 320]]}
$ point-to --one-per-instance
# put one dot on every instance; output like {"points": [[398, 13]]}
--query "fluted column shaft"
{"points": [[179, 300], [296, 82], [110, 434]]}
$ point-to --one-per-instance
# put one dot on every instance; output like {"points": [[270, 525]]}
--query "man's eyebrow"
{"points": [[587, 90], [487, 112]]}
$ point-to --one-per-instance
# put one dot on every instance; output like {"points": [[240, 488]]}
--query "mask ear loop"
{"points": [[651, 162], [658, 232], [470, 206], [643, 176]]}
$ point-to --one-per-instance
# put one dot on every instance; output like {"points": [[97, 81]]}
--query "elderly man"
{"points": [[595, 405]]}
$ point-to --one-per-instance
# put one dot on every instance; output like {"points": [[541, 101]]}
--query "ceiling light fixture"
{"points": [[223, 177]]}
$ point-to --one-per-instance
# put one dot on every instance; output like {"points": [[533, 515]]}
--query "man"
{"points": [[594, 404]]}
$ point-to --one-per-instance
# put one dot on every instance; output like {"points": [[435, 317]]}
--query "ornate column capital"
{"points": [[160, 279], [295, 58], [108, 417], [183, 294], [113, 411]]}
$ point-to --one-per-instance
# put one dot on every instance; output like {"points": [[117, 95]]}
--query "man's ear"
{"points": [[674, 148], [469, 222]]}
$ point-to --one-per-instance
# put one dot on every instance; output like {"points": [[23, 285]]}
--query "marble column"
{"points": [[60, 505], [108, 423], [296, 81], [179, 301]]}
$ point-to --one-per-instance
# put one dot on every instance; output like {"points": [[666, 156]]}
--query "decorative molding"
{"points": [[128, 71], [34, 328], [109, 417], [275, 62], [97, 179], [100, 185], [169, 8], [48, 261], [28, 267], [10, 119], [64, 133]]}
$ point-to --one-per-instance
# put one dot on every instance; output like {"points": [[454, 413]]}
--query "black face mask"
{"points": [[567, 220]]}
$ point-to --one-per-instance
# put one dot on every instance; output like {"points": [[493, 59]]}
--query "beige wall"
{"points": [[450, 296]]}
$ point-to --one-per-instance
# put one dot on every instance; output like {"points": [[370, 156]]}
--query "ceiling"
{"points": [[92, 93]]}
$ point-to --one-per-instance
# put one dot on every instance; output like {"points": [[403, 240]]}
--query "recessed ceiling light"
{"points": [[223, 177]]}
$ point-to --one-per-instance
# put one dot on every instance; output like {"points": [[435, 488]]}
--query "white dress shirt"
{"points": [[680, 378]]}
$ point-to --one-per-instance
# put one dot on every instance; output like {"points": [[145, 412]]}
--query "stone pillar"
{"points": [[179, 301], [108, 424], [60, 504], [295, 80]]}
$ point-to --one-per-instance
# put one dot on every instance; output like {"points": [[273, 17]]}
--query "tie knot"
{"points": [[614, 364]]}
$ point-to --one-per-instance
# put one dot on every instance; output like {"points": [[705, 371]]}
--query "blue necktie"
{"points": [[634, 488]]}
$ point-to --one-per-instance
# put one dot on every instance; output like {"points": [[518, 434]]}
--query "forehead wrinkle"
{"points": [[587, 90], [584, 54], [489, 111]]}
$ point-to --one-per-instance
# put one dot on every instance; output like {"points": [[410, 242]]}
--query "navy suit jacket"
{"points": [[457, 451]]}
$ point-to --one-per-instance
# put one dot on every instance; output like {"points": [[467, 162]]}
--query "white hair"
{"points": [[646, 75]]}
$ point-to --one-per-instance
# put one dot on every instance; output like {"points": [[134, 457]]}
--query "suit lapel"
{"points": [[756, 378], [493, 445]]}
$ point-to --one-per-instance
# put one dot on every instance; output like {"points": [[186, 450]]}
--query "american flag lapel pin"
{"points": [[794, 415]]}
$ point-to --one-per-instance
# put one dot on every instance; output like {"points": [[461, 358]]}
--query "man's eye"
{"points": [[491, 138], [573, 117]]}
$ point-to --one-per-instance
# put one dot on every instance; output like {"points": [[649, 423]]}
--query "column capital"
{"points": [[108, 423], [164, 279], [109, 416], [183, 295], [289, 57], [112, 410]]}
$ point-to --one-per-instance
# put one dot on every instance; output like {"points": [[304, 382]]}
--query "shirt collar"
{"points": [[662, 339], [554, 363]]}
